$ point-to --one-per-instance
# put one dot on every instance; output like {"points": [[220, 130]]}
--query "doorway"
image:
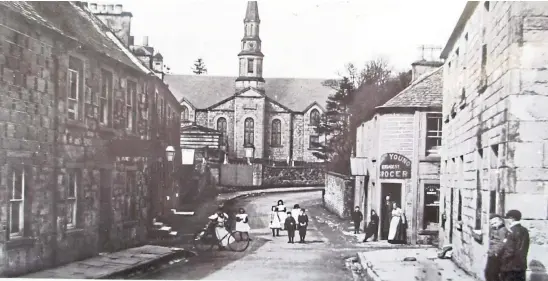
{"points": [[451, 216], [105, 211], [390, 192]]}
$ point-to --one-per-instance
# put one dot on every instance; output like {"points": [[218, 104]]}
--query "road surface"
{"points": [[272, 258]]}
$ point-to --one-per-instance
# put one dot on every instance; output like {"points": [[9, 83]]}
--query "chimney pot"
{"points": [[93, 7], [110, 9], [102, 8], [118, 9], [145, 41]]}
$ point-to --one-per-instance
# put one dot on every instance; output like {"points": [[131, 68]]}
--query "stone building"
{"points": [[75, 105], [276, 116], [495, 129], [401, 142]]}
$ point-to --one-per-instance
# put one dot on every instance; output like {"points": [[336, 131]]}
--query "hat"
{"points": [[492, 216], [513, 214]]}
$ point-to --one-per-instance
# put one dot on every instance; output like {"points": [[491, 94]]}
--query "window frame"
{"points": [[250, 66], [131, 106], [185, 113], [107, 87], [423, 228], [310, 147], [249, 132], [72, 178], [75, 67], [130, 213], [21, 203], [437, 137], [276, 133], [223, 129], [314, 120]]}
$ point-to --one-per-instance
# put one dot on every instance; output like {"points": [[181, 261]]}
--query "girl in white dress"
{"points": [[282, 212], [296, 211], [275, 222], [242, 223]]}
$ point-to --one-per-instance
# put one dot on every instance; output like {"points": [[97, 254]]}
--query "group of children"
{"points": [[282, 219]]}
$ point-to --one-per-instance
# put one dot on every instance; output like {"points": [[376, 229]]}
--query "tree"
{"points": [[199, 67], [356, 95]]}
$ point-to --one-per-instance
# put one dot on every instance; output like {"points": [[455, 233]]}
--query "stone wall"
{"points": [[495, 127], [293, 176], [339, 194]]}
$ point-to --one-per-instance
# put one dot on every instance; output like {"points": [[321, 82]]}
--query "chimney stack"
{"points": [[110, 9], [429, 60], [145, 41], [118, 9]]}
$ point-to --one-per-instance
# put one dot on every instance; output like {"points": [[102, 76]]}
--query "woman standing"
{"points": [[219, 220], [242, 223], [275, 222], [302, 222], [282, 212], [398, 226], [296, 211]]}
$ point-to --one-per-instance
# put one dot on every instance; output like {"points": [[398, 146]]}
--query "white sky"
{"points": [[301, 38]]}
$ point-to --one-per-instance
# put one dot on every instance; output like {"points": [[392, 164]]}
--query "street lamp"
{"points": [[249, 151], [170, 153], [224, 149]]}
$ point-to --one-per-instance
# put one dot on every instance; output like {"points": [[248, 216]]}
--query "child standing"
{"points": [[357, 217], [303, 224], [275, 222], [242, 223], [290, 226]]}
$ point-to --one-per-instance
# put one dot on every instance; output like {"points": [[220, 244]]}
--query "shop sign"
{"points": [[395, 166]]}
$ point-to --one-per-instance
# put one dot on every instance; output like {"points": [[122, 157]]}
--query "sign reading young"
{"points": [[395, 166]]}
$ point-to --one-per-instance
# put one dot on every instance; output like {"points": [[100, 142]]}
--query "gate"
{"points": [[236, 175]]}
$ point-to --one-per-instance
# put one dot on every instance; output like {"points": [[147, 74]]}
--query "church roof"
{"points": [[252, 12], [203, 91], [425, 92]]}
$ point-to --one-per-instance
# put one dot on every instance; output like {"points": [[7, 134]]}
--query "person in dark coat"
{"points": [[513, 254], [357, 218], [302, 220], [372, 227], [290, 226], [497, 234]]}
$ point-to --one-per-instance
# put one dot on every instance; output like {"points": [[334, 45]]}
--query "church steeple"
{"points": [[251, 57]]}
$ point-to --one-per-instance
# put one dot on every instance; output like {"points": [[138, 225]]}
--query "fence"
{"points": [[236, 175], [260, 175]]}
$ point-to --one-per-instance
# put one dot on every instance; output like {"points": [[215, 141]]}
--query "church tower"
{"points": [[251, 57]]}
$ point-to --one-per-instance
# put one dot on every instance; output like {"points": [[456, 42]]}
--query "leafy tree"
{"points": [[199, 67], [356, 95]]}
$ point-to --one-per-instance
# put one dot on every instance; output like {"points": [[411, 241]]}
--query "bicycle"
{"points": [[205, 239]]}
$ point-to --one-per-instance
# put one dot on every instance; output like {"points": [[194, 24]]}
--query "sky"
{"points": [[301, 39]]}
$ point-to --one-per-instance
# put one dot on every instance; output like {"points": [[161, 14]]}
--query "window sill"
{"points": [[130, 223], [276, 146], [431, 158], [477, 234], [76, 124], [19, 242]]}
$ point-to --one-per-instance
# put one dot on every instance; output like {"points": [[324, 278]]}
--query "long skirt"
{"points": [[283, 216], [397, 233], [222, 235], [242, 226]]}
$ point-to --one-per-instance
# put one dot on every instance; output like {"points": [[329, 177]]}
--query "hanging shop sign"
{"points": [[395, 166]]}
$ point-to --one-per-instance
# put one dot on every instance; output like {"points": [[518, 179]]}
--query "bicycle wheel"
{"points": [[203, 241], [238, 241]]}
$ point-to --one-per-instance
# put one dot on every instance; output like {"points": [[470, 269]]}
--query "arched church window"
{"points": [[315, 117], [276, 133], [221, 126], [184, 113], [249, 128]]}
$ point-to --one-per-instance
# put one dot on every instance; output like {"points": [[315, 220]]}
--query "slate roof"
{"points": [[425, 92], [73, 22], [203, 91]]}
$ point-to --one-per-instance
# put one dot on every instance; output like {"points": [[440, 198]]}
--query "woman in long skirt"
{"points": [[282, 212], [296, 211], [242, 223], [275, 222], [398, 226]]}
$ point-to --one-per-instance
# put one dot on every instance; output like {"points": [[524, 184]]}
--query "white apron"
{"points": [[295, 213], [282, 213], [394, 223], [220, 230], [275, 221], [241, 225]]}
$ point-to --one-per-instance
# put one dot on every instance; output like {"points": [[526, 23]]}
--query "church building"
{"points": [[275, 116]]}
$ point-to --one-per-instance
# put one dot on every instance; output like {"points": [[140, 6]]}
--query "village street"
{"points": [[272, 258]]}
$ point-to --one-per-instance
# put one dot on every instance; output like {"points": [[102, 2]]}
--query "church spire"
{"points": [[251, 57]]}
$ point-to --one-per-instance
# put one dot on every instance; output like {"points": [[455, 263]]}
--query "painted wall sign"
{"points": [[395, 166]]}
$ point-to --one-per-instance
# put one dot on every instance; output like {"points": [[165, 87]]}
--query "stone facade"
{"points": [[66, 192], [339, 194], [400, 127], [495, 136]]}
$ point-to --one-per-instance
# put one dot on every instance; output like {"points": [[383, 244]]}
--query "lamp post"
{"points": [[170, 155], [224, 149], [249, 153]]}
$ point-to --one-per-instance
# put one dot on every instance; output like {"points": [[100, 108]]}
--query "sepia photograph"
{"points": [[325, 140]]}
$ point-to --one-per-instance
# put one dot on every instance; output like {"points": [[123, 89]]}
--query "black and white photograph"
{"points": [[324, 140]]}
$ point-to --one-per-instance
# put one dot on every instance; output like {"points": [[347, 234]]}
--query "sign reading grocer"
{"points": [[395, 166]]}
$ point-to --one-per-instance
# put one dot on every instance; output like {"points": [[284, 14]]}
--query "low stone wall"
{"points": [[339, 194], [293, 176]]}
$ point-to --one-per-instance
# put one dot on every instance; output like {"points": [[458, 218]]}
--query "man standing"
{"points": [[357, 217], [513, 255], [497, 234]]}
